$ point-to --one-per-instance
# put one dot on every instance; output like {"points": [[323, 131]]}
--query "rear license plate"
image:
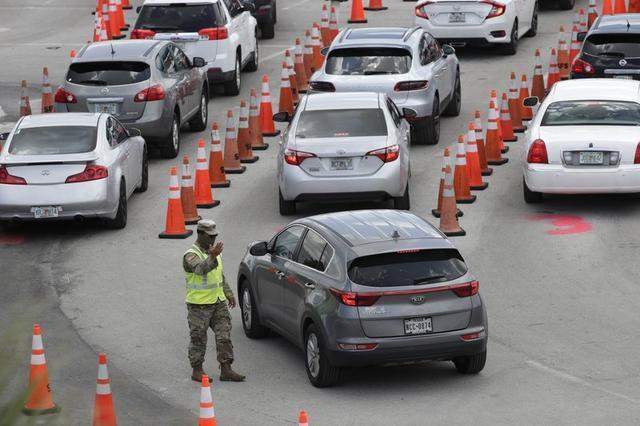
{"points": [[342, 164], [591, 157], [45, 212], [107, 108], [417, 325], [624, 77], [457, 17]]}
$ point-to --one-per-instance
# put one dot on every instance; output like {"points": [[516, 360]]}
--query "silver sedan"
{"points": [[71, 166]]}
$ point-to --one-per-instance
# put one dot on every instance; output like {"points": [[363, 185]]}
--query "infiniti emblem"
{"points": [[416, 300], [45, 173], [622, 62], [104, 90]]}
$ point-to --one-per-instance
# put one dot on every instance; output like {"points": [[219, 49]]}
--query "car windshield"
{"points": [[53, 140], [368, 61], [180, 17], [615, 45], [108, 73], [335, 123], [592, 113], [407, 268]]}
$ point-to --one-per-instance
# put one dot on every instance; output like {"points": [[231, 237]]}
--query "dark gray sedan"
{"points": [[362, 288]]}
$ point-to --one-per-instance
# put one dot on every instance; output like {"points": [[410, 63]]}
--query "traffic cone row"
{"points": [[25, 105], [109, 20]]}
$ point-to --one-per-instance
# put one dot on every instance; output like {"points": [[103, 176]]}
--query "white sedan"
{"points": [[479, 22], [584, 139]]}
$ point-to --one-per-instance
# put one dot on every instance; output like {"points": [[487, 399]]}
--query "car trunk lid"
{"points": [[47, 169], [457, 13]]}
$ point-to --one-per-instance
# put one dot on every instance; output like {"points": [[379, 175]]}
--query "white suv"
{"points": [[223, 32]]}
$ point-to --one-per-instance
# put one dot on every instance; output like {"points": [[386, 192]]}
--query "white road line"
{"points": [[301, 2], [272, 56]]}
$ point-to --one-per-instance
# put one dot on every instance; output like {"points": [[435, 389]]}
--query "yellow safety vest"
{"points": [[204, 289]]}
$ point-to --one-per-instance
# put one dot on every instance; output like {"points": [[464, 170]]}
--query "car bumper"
{"points": [[486, 33], [557, 179], [155, 121]]}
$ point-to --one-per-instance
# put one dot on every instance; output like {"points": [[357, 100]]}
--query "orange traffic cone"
{"points": [[97, 27], [301, 73], [564, 65], [257, 141], [537, 83], [187, 194], [207, 415], [593, 12], [266, 110], [357, 13], [333, 25], [231, 156], [47, 93], [448, 212], [554, 75], [216, 168], [203, 193], [575, 44], [607, 8], [446, 162], [514, 105], [505, 121], [584, 25], [324, 26], [40, 398], [474, 173], [461, 176], [123, 24], [126, 5], [25, 106], [286, 97], [375, 5], [525, 112], [619, 7], [103, 7], [634, 6], [104, 34], [485, 170], [114, 22], [174, 227], [494, 98], [292, 76], [303, 419], [307, 56], [244, 136], [316, 46], [72, 53], [492, 143], [576, 19], [103, 411]]}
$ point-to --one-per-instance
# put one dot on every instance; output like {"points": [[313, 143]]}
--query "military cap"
{"points": [[207, 226]]}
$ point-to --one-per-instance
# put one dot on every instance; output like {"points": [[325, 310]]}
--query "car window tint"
{"points": [[341, 123], [181, 60], [613, 45], [52, 140], [287, 241], [424, 52], [178, 17], [312, 251], [108, 73], [120, 133], [435, 52], [394, 113], [234, 7], [604, 113], [368, 61], [407, 268], [164, 60]]}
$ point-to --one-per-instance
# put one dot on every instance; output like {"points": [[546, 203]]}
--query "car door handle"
{"points": [[310, 285]]}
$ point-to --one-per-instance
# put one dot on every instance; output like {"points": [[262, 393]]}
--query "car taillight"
{"points": [[421, 10], [356, 299], [581, 66], [217, 33], [404, 86], [497, 9], [91, 172], [295, 158], [322, 86], [636, 158], [537, 153], [466, 289], [153, 93], [142, 34], [64, 97], [387, 154], [7, 179]]}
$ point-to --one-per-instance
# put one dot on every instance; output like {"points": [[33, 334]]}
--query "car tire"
{"points": [[511, 48], [199, 121], [472, 364], [120, 221], [566, 4], [403, 202], [534, 22], [171, 144], [319, 369], [427, 131], [268, 30], [286, 207], [232, 87], [251, 325], [252, 66], [455, 103], [530, 197], [144, 180]]}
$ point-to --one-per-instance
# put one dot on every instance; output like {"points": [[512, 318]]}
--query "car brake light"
{"points": [[7, 179], [295, 158], [91, 172], [497, 9], [153, 93], [387, 154], [356, 299], [421, 11], [322, 86], [64, 97], [217, 33], [636, 158], [537, 153], [471, 336], [581, 66], [404, 86], [466, 289], [142, 34]]}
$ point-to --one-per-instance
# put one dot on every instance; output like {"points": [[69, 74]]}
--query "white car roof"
{"points": [[596, 89], [146, 2], [60, 119], [342, 100]]}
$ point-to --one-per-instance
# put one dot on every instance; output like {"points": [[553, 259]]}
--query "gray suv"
{"points": [[149, 85], [362, 288]]}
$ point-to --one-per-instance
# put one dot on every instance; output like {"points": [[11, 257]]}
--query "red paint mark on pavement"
{"points": [[11, 239], [564, 224]]}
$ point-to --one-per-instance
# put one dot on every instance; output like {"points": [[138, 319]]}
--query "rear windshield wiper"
{"points": [[94, 82], [426, 280]]}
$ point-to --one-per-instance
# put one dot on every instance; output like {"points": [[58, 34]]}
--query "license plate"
{"points": [[624, 77], [107, 108], [417, 325], [45, 212], [591, 157], [342, 164], [457, 17]]}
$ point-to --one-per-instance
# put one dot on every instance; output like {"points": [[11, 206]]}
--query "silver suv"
{"points": [[149, 85], [361, 288], [407, 64]]}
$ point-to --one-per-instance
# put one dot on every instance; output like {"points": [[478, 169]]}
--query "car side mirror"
{"points": [[409, 113], [4, 136], [138, 9], [324, 51], [259, 248], [198, 62], [134, 132], [282, 117], [447, 49], [581, 36], [531, 101]]}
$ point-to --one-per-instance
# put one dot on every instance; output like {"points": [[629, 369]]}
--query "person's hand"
{"points": [[231, 301], [215, 250]]}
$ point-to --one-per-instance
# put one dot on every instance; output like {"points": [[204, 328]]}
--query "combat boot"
{"points": [[228, 375], [197, 374]]}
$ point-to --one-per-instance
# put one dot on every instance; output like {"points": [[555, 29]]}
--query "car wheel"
{"points": [[472, 364], [144, 180], [566, 4], [286, 207], [455, 103], [253, 64], [427, 131], [199, 121], [267, 30], [232, 87], [511, 48], [403, 202], [120, 221], [319, 370], [171, 145], [530, 197], [250, 320], [534, 23]]}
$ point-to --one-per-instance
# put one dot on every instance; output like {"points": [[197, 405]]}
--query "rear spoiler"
{"points": [[14, 160], [177, 36]]}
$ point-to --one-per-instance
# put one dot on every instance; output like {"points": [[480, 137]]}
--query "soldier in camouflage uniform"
{"points": [[207, 296]]}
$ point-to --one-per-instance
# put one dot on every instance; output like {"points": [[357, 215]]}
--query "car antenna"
{"points": [[628, 25], [113, 52], [395, 234]]}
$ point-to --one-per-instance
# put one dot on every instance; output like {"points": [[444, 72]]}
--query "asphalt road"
{"points": [[559, 279]]}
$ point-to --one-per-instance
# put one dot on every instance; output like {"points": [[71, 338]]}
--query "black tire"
{"points": [[144, 181], [232, 87], [566, 4], [472, 364], [404, 202], [455, 103], [534, 23], [268, 30], [286, 207], [199, 121], [171, 144], [511, 48], [427, 131], [120, 221], [325, 374], [252, 66], [251, 325], [530, 197]]}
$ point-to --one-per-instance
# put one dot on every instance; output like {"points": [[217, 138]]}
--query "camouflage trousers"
{"points": [[202, 317]]}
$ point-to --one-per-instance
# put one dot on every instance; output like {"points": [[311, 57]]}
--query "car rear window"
{"points": [[335, 123], [594, 113], [368, 61], [180, 17], [407, 268], [53, 140], [108, 73], [614, 45]]}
